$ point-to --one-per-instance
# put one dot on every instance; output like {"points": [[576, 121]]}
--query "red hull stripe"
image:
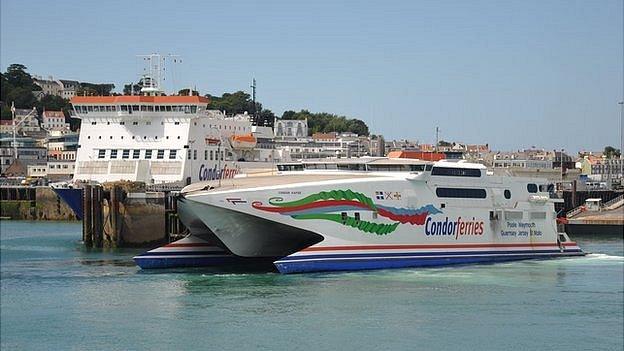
{"points": [[439, 246], [317, 204]]}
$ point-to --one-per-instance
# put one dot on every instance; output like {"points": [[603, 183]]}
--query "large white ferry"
{"points": [[164, 141], [366, 214], [160, 139]]}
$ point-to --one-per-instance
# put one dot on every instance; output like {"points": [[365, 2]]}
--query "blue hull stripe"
{"points": [[380, 262], [181, 253], [419, 254]]}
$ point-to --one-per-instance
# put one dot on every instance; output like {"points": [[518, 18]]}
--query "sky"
{"points": [[513, 74]]}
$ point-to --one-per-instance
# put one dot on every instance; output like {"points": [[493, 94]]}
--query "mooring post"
{"points": [[96, 212], [86, 218], [115, 195]]}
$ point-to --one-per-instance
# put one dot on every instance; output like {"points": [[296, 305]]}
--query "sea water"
{"points": [[55, 295]]}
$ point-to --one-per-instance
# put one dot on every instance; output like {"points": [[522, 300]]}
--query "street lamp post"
{"points": [[621, 103]]}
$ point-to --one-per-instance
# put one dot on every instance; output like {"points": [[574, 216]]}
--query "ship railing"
{"points": [[614, 201], [575, 211]]}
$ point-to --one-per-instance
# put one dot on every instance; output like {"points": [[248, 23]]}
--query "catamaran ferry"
{"points": [[366, 214]]}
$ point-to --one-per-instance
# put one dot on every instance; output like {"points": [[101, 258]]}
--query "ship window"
{"points": [[168, 108], [124, 108], [205, 155], [93, 123], [538, 215], [148, 154], [177, 123], [96, 108], [122, 123], [101, 153], [174, 108], [172, 154], [136, 153], [194, 154], [135, 123], [513, 214], [532, 188], [455, 172], [160, 154], [467, 193], [428, 167], [507, 194], [211, 155], [193, 109], [157, 108], [357, 216], [125, 154], [188, 154], [150, 108], [113, 154], [135, 107], [343, 216], [148, 123], [222, 155]]}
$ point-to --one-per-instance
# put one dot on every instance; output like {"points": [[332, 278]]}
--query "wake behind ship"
{"points": [[373, 214]]}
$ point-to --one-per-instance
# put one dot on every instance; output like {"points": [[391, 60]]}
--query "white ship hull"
{"points": [[373, 221]]}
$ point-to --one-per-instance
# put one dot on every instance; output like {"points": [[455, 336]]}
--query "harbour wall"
{"points": [[124, 214], [33, 203]]}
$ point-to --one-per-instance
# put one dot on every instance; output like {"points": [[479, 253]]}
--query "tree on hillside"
{"points": [[17, 86], [185, 92], [611, 152], [326, 122], [91, 89]]}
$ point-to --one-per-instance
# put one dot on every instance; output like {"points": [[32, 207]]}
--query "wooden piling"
{"points": [[96, 196], [115, 195], [86, 218]]}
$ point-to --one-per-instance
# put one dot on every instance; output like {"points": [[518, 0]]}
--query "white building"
{"points": [[291, 129], [54, 120]]}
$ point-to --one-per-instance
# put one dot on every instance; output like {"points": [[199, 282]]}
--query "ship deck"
{"points": [[272, 180]]}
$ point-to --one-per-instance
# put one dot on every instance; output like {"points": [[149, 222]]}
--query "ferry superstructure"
{"points": [[156, 139], [164, 139], [375, 214]]}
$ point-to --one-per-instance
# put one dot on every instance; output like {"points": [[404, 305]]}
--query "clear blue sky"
{"points": [[509, 73]]}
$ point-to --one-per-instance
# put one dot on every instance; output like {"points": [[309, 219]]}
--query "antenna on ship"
{"points": [[152, 76], [154, 73]]}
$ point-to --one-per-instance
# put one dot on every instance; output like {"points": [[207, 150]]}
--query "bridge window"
{"points": [[101, 153], [136, 153], [148, 154], [465, 193], [160, 154], [172, 154], [113, 154], [507, 194], [125, 154], [532, 188], [456, 172]]}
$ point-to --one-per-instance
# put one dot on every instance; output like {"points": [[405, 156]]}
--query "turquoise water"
{"points": [[57, 296]]}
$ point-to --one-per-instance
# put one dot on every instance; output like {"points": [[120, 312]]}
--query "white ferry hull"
{"points": [[376, 223]]}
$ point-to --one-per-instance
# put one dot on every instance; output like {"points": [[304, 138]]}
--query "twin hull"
{"points": [[372, 223]]}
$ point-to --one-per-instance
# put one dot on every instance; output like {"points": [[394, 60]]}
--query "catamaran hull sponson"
{"points": [[247, 235]]}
